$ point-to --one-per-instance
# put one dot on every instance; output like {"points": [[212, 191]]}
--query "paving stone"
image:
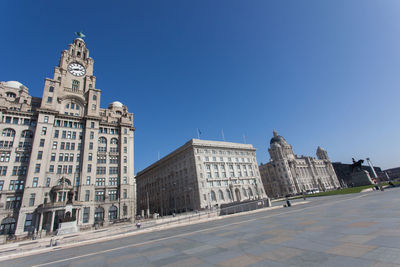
{"points": [[281, 254], [350, 249], [384, 254], [385, 241]]}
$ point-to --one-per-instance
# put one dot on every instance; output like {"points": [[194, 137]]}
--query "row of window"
{"points": [[223, 152], [14, 185], [111, 181], [17, 120], [99, 213], [231, 174], [67, 134], [229, 159], [226, 183], [68, 124], [112, 195], [9, 132], [230, 166]]}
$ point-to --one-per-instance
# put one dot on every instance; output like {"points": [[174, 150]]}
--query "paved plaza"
{"points": [[347, 230]]}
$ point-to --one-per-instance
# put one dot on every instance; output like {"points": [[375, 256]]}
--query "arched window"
{"points": [[244, 192], [113, 213], [99, 214], [10, 94], [221, 195], [8, 132], [250, 193], [213, 197], [114, 141], [27, 134], [102, 140], [228, 193]]}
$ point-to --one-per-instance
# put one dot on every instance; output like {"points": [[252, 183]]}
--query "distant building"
{"points": [[393, 173], [199, 175], [286, 173], [343, 172]]}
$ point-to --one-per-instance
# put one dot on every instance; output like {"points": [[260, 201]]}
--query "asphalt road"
{"points": [[347, 230]]}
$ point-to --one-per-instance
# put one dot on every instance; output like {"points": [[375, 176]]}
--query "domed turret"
{"points": [[13, 84], [278, 139], [116, 104]]}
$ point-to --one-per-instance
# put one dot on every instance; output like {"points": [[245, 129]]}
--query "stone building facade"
{"points": [[64, 152], [199, 175], [288, 174]]}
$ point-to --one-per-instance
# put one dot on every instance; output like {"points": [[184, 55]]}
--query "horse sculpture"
{"points": [[356, 165]]}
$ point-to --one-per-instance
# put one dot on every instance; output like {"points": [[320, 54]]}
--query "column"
{"points": [[40, 222], [53, 213]]}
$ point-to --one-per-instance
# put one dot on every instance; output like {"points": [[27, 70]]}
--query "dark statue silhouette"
{"points": [[356, 165]]}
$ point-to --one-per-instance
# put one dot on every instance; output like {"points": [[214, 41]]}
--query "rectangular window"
{"points": [[35, 182], [46, 119], [40, 155], [32, 200], [54, 145], [3, 170], [48, 182], [56, 133], [91, 145], [1, 185], [87, 195], [41, 144], [112, 195], [125, 210], [64, 134], [28, 222], [49, 99], [44, 130], [37, 168], [88, 180], [51, 88], [99, 196], [89, 167], [53, 157], [86, 212], [125, 194]]}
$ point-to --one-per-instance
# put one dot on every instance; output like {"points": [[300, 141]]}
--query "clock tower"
{"points": [[73, 82], [81, 164]]}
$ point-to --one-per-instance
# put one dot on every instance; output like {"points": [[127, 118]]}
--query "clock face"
{"points": [[76, 69]]}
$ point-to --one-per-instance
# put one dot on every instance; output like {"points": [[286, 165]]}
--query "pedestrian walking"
{"points": [[288, 202]]}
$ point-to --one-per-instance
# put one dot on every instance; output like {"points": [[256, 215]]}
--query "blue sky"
{"points": [[319, 72]]}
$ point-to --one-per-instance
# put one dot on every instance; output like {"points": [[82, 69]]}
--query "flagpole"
{"points": [[198, 133], [244, 139], [223, 135]]}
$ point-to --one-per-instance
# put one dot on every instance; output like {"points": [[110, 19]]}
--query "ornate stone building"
{"points": [[286, 173], [199, 175], [64, 152]]}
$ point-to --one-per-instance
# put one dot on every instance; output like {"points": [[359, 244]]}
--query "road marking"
{"points": [[191, 233]]}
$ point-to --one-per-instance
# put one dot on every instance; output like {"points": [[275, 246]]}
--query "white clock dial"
{"points": [[76, 69]]}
